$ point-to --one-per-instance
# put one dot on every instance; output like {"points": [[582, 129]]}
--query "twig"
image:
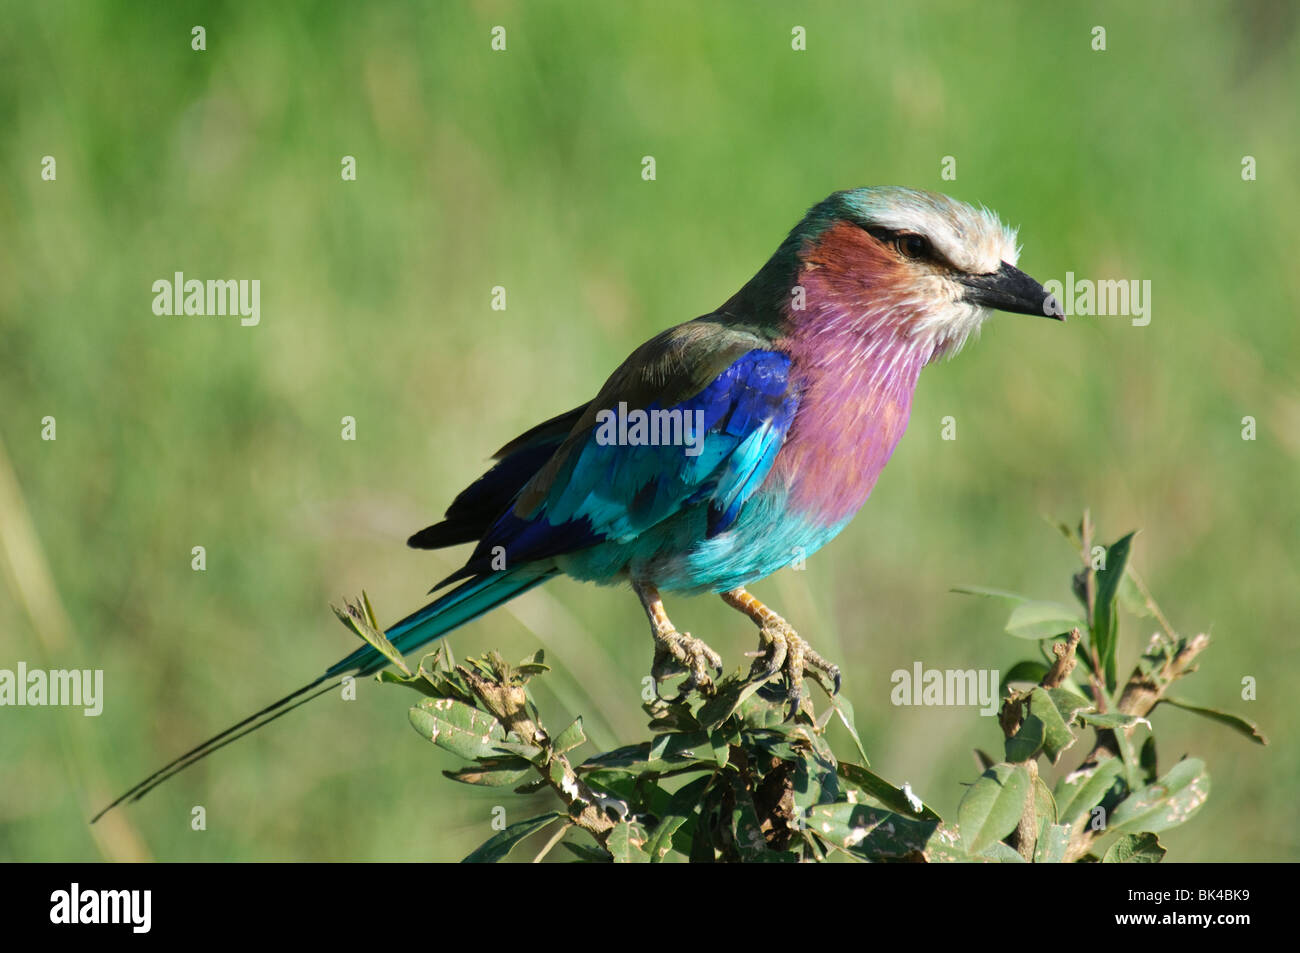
{"points": [[1027, 828], [1065, 660], [509, 703]]}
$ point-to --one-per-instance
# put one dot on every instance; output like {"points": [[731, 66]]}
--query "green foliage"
{"points": [[1135, 849], [992, 806], [1105, 626], [1113, 790], [728, 777]]}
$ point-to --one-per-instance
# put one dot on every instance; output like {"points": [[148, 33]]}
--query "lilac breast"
{"points": [[856, 398]]}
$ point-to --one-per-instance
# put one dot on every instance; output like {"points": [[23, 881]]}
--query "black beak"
{"points": [[1010, 289]]}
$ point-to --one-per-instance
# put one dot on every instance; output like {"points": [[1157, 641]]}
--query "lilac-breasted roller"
{"points": [[725, 448]]}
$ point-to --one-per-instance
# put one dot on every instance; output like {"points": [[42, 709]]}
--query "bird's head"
{"points": [[893, 263]]}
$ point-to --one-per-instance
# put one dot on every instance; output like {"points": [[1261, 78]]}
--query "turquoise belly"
{"points": [[675, 556]]}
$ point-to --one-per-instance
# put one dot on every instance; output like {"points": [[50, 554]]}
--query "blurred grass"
{"points": [[522, 169]]}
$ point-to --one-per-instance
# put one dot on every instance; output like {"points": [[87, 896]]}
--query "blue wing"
{"points": [[596, 490]]}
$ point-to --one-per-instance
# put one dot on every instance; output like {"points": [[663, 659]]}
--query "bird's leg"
{"points": [[781, 648], [675, 651]]}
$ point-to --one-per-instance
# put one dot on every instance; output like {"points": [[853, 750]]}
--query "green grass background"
{"points": [[522, 169]]}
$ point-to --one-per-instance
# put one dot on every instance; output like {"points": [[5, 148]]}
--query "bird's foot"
{"points": [[678, 652], [782, 650]]}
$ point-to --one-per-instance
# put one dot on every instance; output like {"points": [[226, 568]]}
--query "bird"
{"points": [[723, 448]]}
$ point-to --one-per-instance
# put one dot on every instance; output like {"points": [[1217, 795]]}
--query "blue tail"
{"points": [[466, 602], [463, 604]]}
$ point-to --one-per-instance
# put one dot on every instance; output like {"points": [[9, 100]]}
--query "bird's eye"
{"points": [[912, 246]]}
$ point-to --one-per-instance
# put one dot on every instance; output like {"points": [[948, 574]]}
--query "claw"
{"points": [[678, 652], [782, 650], [823, 668], [772, 652], [795, 700]]}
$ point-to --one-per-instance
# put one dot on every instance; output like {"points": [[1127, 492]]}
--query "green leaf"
{"points": [[417, 682], [1057, 736], [746, 832], [992, 806], [845, 712], [895, 799], [1135, 849], [361, 620], [661, 838], [820, 749], [870, 833], [670, 715], [625, 843], [688, 797], [1044, 803], [755, 711], [993, 593], [370, 610], [1069, 702], [944, 847], [1025, 744], [1167, 803], [457, 727], [1043, 726], [702, 849], [497, 847], [659, 744], [731, 694], [535, 664], [1079, 792], [685, 802], [1002, 853], [1042, 620], [721, 749], [1105, 628], [493, 772], [778, 743], [1052, 844], [528, 752], [570, 737], [532, 787], [436, 682], [673, 751], [558, 775], [1129, 755], [587, 853], [1235, 722], [814, 783], [1027, 671]]}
